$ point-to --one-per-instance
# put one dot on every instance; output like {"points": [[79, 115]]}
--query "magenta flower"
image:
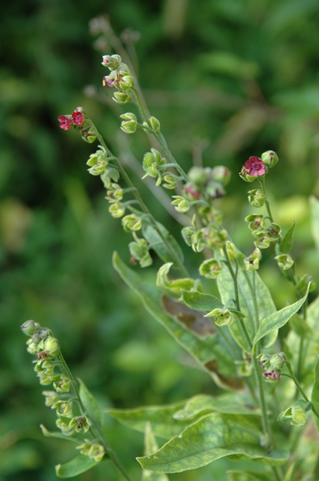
{"points": [[255, 167], [77, 118], [65, 122]]}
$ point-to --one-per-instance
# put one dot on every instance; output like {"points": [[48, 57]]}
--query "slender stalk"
{"points": [[65, 370], [302, 392]]}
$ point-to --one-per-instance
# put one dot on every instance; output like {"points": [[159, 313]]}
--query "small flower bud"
{"points": [[270, 158], [181, 205], [296, 415], [131, 223], [63, 408], [80, 424], [171, 181], [126, 83], [32, 347], [139, 251], [284, 261], [98, 168], [198, 176], [153, 163], [89, 135], [191, 192], [252, 262], [210, 269], [155, 124], [221, 174], [111, 61], [129, 123], [64, 425], [29, 328], [263, 242], [256, 198], [274, 232], [62, 384], [117, 210], [232, 251], [223, 317], [51, 346], [272, 376], [115, 193], [256, 222], [121, 97], [92, 450], [51, 398]]}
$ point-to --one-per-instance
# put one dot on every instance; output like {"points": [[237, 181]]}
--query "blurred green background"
{"points": [[228, 79]]}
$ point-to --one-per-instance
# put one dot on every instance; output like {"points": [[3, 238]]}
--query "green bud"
{"points": [[92, 450], [270, 158], [89, 134], [198, 176], [122, 97], [139, 251], [153, 163], [126, 83], [115, 193], [129, 123], [171, 181], [63, 408], [29, 328], [223, 317], [256, 198], [232, 251], [263, 242], [221, 174], [117, 210], [32, 347], [98, 168], [210, 269], [256, 222], [62, 384], [64, 424], [215, 238], [99, 155], [109, 174], [111, 61], [51, 346], [155, 123], [51, 398], [252, 262], [131, 223], [303, 282], [274, 232], [284, 261], [296, 415], [181, 205], [80, 424]]}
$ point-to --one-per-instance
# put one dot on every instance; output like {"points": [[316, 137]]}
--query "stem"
{"points": [[65, 370], [140, 201], [263, 189]]}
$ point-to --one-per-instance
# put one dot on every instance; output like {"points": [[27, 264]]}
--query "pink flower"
{"points": [[255, 167], [65, 122], [192, 192], [77, 118], [272, 375]]}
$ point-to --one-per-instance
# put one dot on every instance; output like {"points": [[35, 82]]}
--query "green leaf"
{"points": [[210, 438], [176, 285], [150, 447], [315, 394], [90, 403], [211, 352], [78, 465], [310, 345], [253, 311], [157, 244], [300, 326], [278, 319], [161, 418], [201, 302], [314, 213], [203, 404], [249, 476], [286, 243], [55, 434]]}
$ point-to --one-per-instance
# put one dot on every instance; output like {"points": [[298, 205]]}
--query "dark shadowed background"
{"points": [[228, 79]]}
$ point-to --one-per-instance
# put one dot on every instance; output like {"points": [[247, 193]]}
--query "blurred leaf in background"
{"points": [[228, 79]]}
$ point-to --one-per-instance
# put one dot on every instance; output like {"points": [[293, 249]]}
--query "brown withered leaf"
{"points": [[193, 320], [227, 381]]}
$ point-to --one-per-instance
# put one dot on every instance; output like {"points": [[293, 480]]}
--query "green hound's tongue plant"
{"points": [[271, 385]]}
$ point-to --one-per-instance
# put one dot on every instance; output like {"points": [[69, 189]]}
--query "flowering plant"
{"points": [[271, 383]]}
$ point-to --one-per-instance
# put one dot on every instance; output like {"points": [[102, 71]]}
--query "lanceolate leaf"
{"points": [[150, 447], [201, 302], [56, 434], [161, 418], [249, 476], [90, 403], [210, 352], [157, 244], [278, 319], [286, 243], [77, 466], [254, 311], [315, 394], [210, 438]]}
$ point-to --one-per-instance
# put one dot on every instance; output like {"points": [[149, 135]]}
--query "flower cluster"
{"points": [[272, 365], [75, 119], [119, 77], [45, 346]]}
